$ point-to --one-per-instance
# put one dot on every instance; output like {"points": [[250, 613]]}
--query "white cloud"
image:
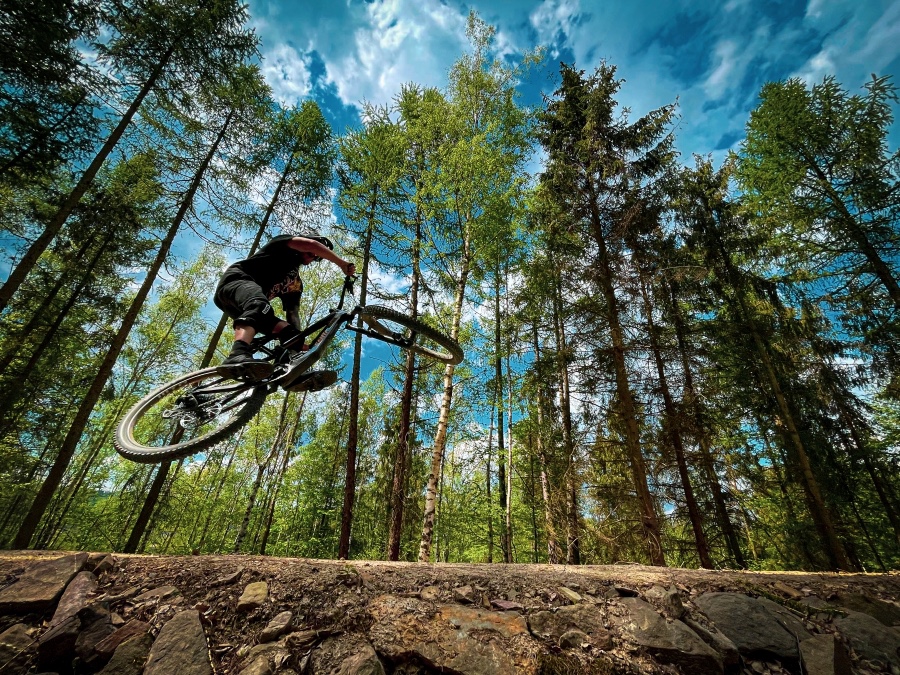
{"points": [[554, 22], [720, 78], [287, 72]]}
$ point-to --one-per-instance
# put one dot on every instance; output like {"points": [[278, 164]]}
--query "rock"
{"points": [[180, 647], [570, 595], [41, 585], [452, 638], [789, 591], [228, 579], [107, 647], [624, 592], [464, 594], [430, 593], [127, 594], [787, 619], [669, 601], [585, 618], [157, 595], [129, 657], [886, 612], [57, 646], [870, 638], [253, 597], [74, 598], [573, 639], [672, 643], [276, 627], [716, 640], [96, 624], [364, 662], [753, 629], [14, 645], [824, 655], [258, 667], [105, 565], [507, 605]]}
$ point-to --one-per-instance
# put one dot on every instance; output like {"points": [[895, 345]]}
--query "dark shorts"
{"points": [[243, 300]]}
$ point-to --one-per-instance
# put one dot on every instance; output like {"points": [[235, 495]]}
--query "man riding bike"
{"points": [[247, 286]]}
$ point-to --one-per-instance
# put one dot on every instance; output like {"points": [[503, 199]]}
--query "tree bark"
{"points": [[553, 550], [673, 431]]}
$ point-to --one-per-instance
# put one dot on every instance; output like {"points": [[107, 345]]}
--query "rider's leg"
{"points": [[244, 301]]}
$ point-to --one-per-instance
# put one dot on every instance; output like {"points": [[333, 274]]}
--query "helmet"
{"points": [[315, 236]]}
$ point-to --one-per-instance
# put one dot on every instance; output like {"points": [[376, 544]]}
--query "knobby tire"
{"points": [[450, 351], [136, 451]]}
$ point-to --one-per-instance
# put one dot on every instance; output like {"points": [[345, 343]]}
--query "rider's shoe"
{"points": [[240, 364], [313, 380]]}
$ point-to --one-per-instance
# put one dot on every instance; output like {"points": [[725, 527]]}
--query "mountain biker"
{"points": [[247, 286]]}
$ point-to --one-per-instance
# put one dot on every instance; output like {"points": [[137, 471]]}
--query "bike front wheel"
{"points": [[187, 415], [411, 334]]}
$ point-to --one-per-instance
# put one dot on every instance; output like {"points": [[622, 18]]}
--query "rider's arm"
{"points": [[305, 245]]}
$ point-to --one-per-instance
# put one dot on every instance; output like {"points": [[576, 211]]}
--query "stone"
{"points": [[886, 612], [253, 597], [507, 605], [260, 666], [74, 598], [129, 657], [788, 591], [108, 563], [430, 593], [573, 639], [41, 585], [668, 600], [276, 627], [228, 579], [127, 594], [180, 647], [753, 629], [364, 662], [668, 642], [585, 618], [464, 594], [824, 655], [107, 647], [157, 594], [716, 640], [57, 646], [787, 619], [870, 638], [453, 638], [570, 595], [624, 592], [96, 624], [15, 642]]}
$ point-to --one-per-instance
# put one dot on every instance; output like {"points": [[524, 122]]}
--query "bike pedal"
{"points": [[250, 372], [314, 380]]}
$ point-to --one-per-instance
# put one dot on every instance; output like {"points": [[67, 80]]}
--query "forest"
{"points": [[669, 360]]}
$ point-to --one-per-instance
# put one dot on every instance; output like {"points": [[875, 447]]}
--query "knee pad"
{"points": [[258, 314]]}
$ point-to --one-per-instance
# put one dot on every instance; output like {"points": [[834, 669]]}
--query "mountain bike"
{"points": [[196, 411]]}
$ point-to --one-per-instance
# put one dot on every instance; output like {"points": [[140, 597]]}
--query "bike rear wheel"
{"points": [[187, 415], [411, 334]]}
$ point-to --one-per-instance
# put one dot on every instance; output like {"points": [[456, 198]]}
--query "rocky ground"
{"points": [[88, 613]]}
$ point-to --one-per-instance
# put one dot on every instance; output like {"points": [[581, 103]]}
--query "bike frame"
{"points": [[293, 363]]}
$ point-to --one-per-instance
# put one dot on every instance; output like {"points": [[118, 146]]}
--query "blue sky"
{"points": [[711, 56]]}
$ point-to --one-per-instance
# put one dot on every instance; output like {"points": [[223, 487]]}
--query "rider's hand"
{"points": [[349, 268]]}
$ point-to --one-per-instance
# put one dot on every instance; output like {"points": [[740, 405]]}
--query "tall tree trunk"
{"points": [[553, 550], [819, 511], [279, 478], [649, 519], [440, 439], [673, 429], [498, 403], [488, 478], [70, 443], [691, 401], [31, 256], [353, 422], [573, 521], [405, 433]]}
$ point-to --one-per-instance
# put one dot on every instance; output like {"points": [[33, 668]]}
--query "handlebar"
{"points": [[347, 288]]}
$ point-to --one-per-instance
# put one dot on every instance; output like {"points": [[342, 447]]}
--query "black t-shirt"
{"points": [[275, 267]]}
